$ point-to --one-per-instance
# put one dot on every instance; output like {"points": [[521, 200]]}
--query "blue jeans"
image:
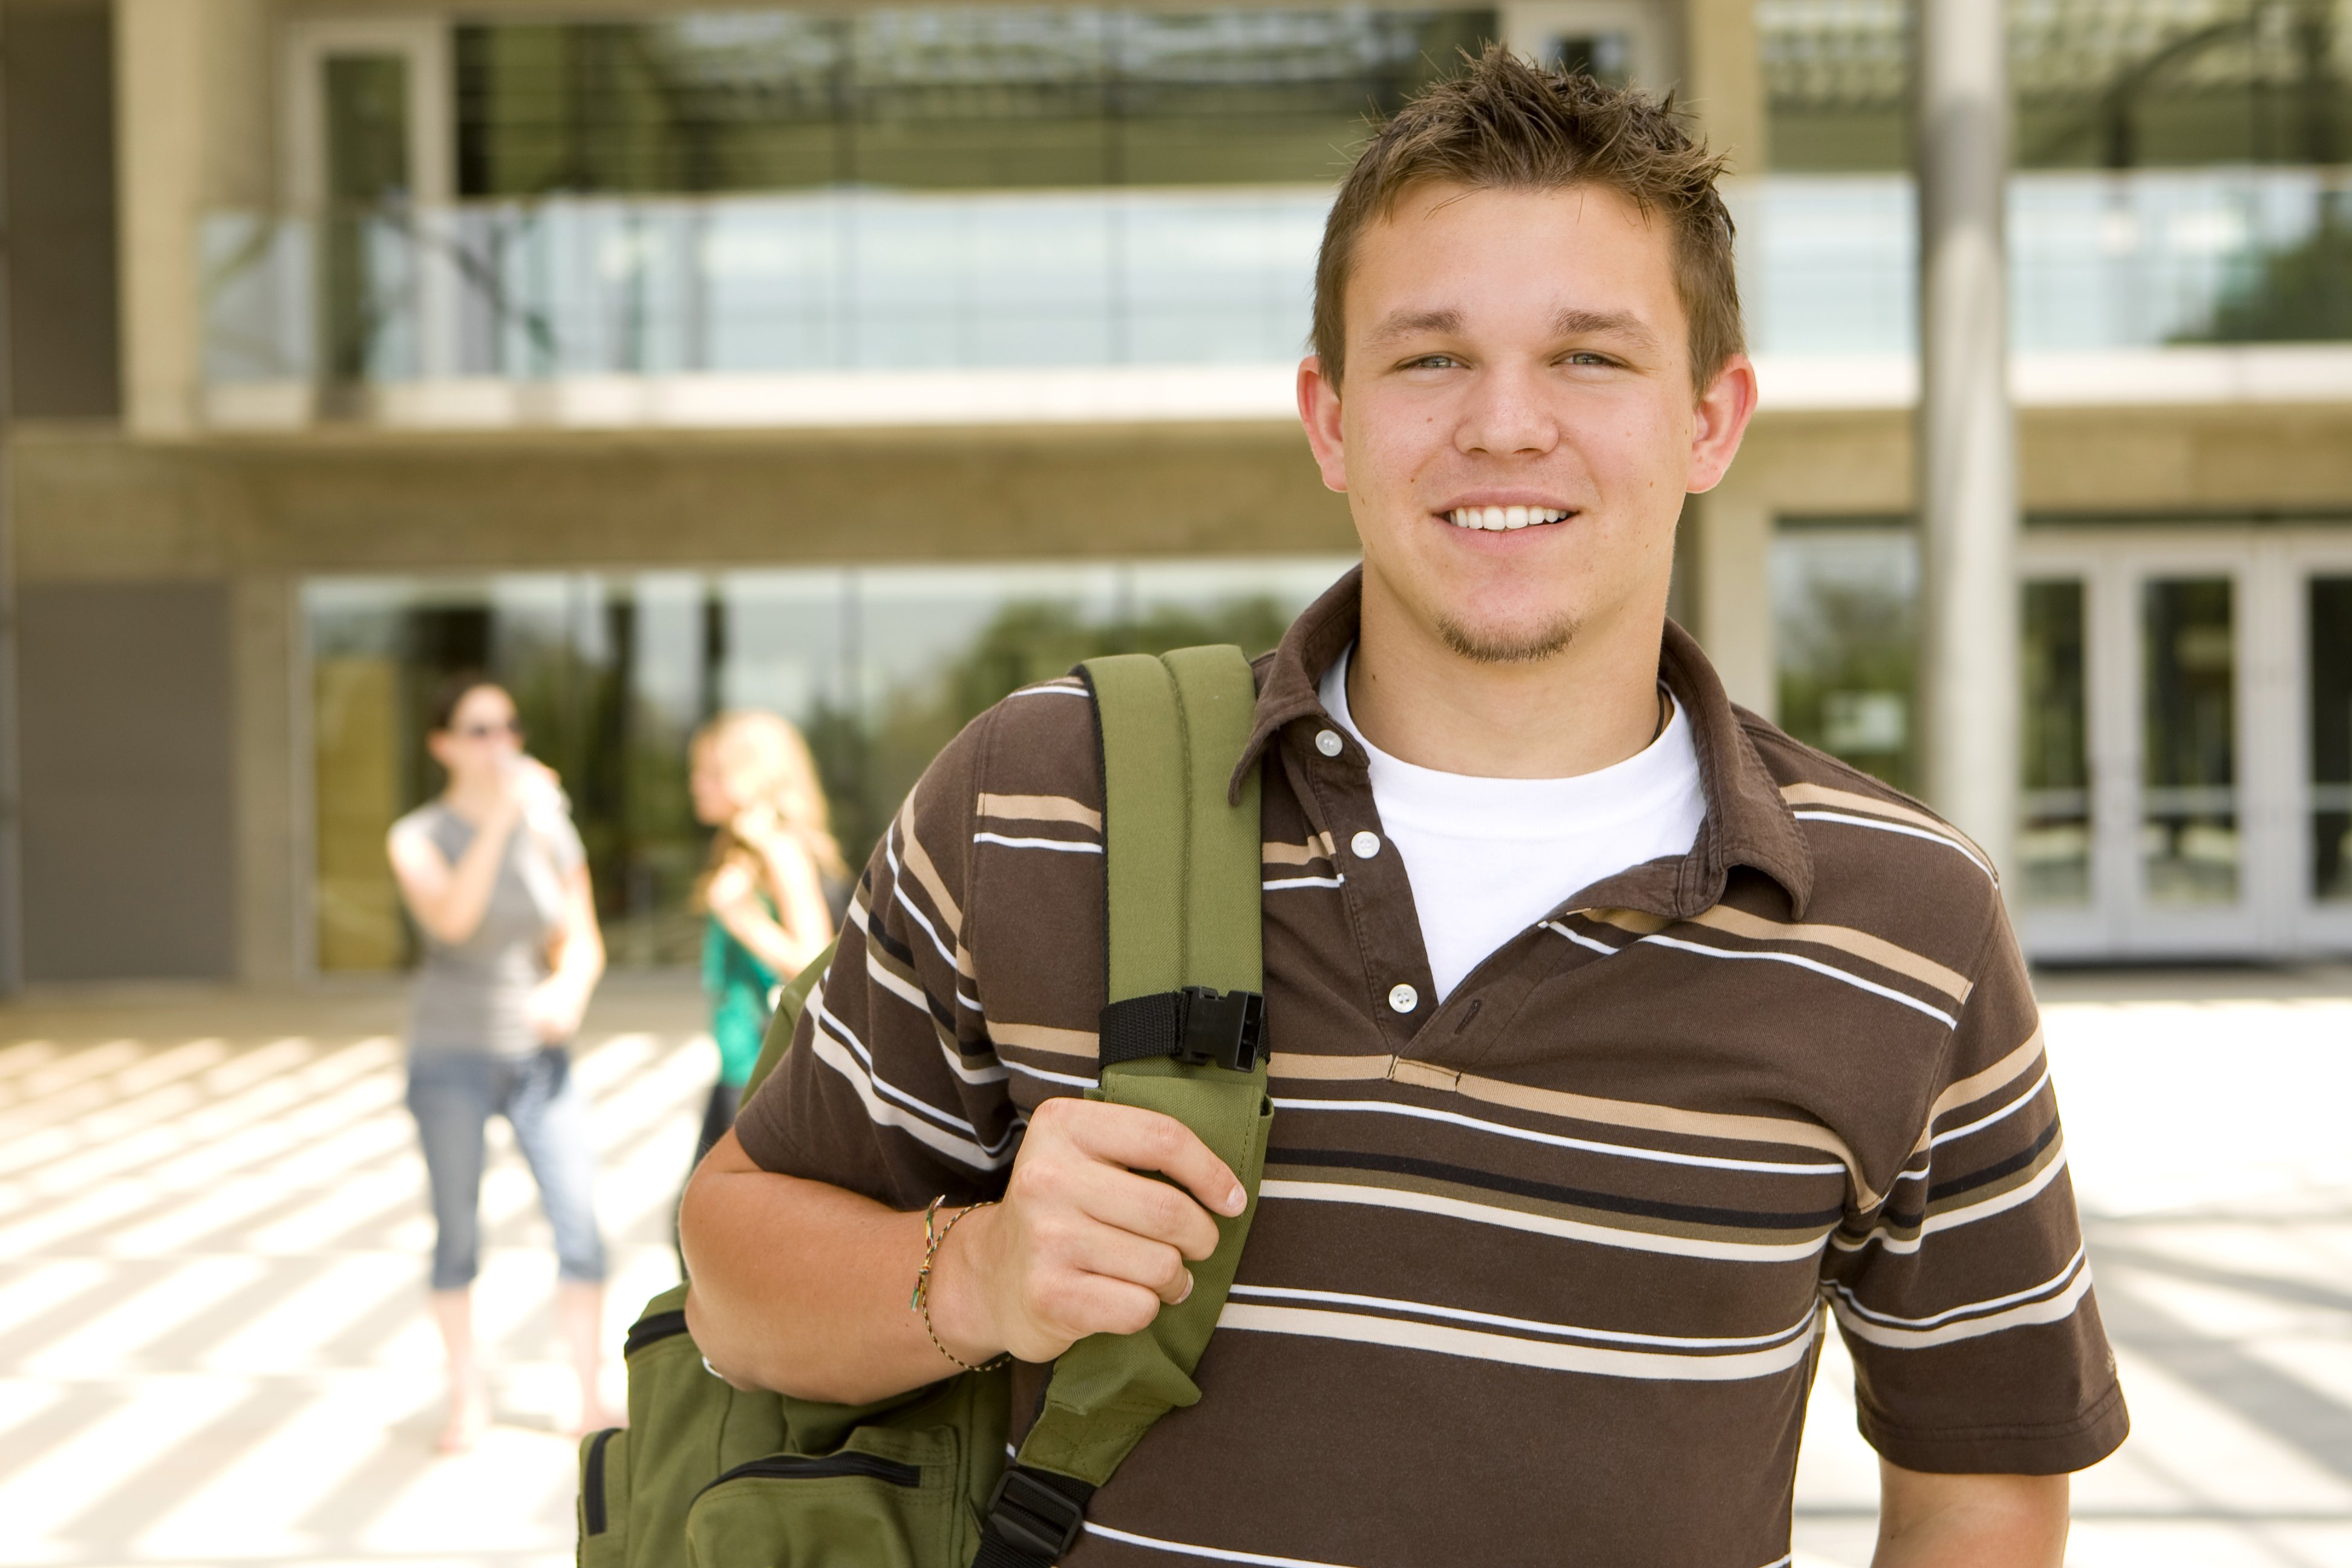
{"points": [[453, 1094]]}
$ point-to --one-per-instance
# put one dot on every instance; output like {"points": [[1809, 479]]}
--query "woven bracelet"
{"points": [[934, 1235]]}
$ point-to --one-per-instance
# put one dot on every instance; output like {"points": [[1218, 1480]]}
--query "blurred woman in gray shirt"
{"points": [[493, 874]]}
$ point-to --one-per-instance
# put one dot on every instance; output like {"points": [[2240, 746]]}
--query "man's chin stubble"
{"points": [[1497, 646]]}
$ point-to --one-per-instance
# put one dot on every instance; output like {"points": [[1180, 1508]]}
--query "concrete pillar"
{"points": [[1723, 80], [1967, 434], [1732, 560], [192, 125]]}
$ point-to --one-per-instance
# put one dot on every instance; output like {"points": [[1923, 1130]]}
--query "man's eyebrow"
{"points": [[1405, 324], [1574, 323]]}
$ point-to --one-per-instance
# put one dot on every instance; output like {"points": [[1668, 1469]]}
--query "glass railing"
{"points": [[841, 280], [2097, 260], [855, 280]]}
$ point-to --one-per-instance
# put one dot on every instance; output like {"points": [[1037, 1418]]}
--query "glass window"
{"points": [[947, 98], [2054, 850], [2117, 84], [2331, 738], [1844, 611], [365, 263], [879, 667], [2190, 849]]}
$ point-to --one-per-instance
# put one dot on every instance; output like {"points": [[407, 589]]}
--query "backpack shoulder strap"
{"points": [[790, 1003], [1182, 1033]]}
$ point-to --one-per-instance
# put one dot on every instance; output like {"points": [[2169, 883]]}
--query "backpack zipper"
{"points": [[592, 1484], [806, 1468], [650, 1330]]}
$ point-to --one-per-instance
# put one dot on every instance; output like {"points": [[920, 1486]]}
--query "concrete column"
{"points": [[1732, 561], [1968, 436], [1723, 80], [193, 116]]}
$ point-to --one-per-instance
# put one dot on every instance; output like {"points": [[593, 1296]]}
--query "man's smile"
{"points": [[1497, 518]]}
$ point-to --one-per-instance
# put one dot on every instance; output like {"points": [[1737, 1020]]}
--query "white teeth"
{"points": [[1497, 518]]}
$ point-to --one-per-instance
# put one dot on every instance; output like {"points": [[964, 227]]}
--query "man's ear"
{"points": [[1318, 410], [1724, 410]]}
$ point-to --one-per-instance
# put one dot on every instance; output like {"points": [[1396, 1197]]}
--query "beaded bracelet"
{"points": [[934, 1234]]}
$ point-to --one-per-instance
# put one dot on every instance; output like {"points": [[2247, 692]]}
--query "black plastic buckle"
{"points": [[1027, 1513], [1227, 1029]]}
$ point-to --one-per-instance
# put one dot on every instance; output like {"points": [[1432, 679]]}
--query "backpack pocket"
{"points": [[604, 1499], [896, 1498]]}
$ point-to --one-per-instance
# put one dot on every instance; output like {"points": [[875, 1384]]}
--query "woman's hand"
{"points": [[555, 1007], [530, 785], [756, 827]]}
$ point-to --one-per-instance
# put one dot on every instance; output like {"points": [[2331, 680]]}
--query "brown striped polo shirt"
{"points": [[1538, 1275]]}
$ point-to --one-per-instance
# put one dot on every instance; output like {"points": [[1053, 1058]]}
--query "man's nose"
{"points": [[1507, 414]]}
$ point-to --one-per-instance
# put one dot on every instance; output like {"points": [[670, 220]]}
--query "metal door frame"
{"points": [[2277, 914]]}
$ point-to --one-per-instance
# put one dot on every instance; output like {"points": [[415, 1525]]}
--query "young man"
{"points": [[1614, 1032]]}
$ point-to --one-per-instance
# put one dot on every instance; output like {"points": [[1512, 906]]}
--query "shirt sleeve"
{"points": [[891, 1088], [1964, 1294]]}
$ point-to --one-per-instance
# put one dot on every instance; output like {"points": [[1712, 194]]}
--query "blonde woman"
{"points": [[773, 853]]}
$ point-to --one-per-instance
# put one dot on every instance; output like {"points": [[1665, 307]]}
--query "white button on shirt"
{"points": [[1488, 858], [1403, 998], [1365, 845], [1328, 742]]}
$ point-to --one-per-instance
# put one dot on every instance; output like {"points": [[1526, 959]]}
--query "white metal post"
{"points": [[1967, 442]]}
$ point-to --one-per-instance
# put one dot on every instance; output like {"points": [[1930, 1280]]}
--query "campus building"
{"points": [[866, 361]]}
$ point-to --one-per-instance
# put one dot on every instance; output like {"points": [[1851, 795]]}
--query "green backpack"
{"points": [[712, 1477]]}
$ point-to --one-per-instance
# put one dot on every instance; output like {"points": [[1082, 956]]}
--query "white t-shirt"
{"points": [[1488, 858]]}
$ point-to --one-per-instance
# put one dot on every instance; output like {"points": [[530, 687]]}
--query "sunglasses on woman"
{"points": [[490, 731]]}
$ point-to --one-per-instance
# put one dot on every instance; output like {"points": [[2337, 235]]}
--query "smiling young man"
{"points": [[1614, 1032]]}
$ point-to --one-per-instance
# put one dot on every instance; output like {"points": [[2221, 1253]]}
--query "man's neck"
{"points": [[1589, 706]]}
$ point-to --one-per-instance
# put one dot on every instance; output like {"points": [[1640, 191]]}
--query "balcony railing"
{"points": [[849, 281], [829, 280]]}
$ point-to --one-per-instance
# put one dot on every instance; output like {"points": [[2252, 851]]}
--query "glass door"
{"points": [[2186, 744], [2319, 583], [2192, 849], [2134, 838]]}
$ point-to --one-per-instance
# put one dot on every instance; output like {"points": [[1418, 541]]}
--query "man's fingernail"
{"points": [[1236, 1200], [1189, 1283]]}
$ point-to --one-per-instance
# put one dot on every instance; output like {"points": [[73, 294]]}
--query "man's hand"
{"points": [[1081, 1243], [1969, 1521]]}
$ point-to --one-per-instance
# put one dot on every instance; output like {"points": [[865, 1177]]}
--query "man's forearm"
{"points": [[1969, 1521], [801, 1288]]}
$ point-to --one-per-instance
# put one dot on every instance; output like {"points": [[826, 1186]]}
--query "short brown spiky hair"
{"points": [[1504, 124]]}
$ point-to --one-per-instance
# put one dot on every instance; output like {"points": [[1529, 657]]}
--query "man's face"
{"points": [[1518, 358]]}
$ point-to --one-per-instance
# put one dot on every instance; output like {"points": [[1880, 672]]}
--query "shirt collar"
{"points": [[1748, 823]]}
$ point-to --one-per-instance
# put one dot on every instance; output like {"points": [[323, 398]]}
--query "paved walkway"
{"points": [[212, 1231]]}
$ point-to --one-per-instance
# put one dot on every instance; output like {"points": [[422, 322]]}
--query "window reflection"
{"points": [[2189, 848], [2120, 84], [944, 98], [880, 666], [1844, 615], [2054, 848], [2331, 738]]}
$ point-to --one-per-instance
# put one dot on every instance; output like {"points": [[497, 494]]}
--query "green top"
{"points": [[739, 987]]}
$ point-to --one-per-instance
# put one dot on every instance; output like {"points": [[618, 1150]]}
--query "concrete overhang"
{"points": [[2202, 377], [2185, 378]]}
